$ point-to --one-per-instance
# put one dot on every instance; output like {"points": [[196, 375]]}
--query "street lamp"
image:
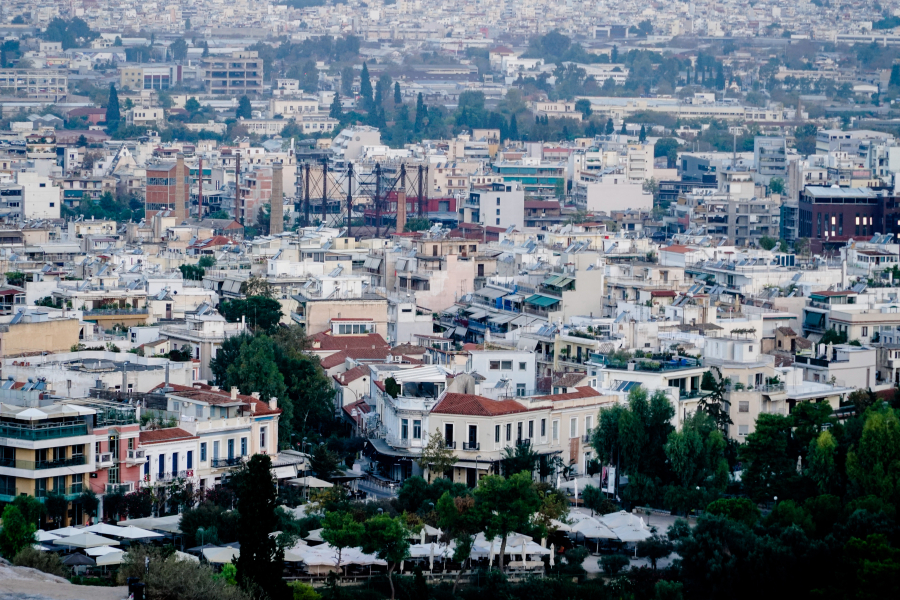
{"points": [[201, 531]]}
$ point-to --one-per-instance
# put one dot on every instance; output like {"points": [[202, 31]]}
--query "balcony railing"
{"points": [[471, 446], [45, 432], [225, 462], [31, 465], [450, 445], [114, 312], [173, 475], [8, 493], [137, 456], [119, 488], [104, 458]]}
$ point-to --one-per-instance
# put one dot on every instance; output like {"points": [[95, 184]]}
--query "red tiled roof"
{"points": [[677, 249], [360, 406], [583, 392], [470, 404], [161, 436], [205, 393], [541, 204], [352, 375], [326, 341], [663, 293], [470, 346]]}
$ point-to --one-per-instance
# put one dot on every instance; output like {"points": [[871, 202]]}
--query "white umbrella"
{"points": [[557, 481], [402, 562], [113, 558], [136, 533], [221, 555], [45, 536], [491, 554], [101, 550], [179, 555], [431, 558], [314, 536], [423, 536], [576, 491], [543, 542], [105, 529], [524, 561], [552, 554], [85, 540], [66, 531]]}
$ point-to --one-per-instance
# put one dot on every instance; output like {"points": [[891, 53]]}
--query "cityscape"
{"points": [[430, 300]]}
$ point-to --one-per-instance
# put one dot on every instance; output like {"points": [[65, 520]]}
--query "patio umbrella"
{"points": [[199, 549], [524, 561], [179, 555], [552, 554], [113, 558], [101, 550], [85, 540], [66, 531], [314, 536], [221, 555], [576, 491], [78, 560], [431, 558], [45, 536], [491, 555], [423, 536], [105, 529], [137, 533]]}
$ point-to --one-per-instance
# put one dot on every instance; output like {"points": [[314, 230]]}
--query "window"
{"points": [[543, 428], [865, 331], [190, 459], [77, 450], [215, 450], [573, 427], [523, 366], [59, 484], [174, 462], [448, 433], [743, 429], [417, 429], [509, 432], [506, 365], [131, 443], [243, 446], [77, 483], [473, 436], [530, 429], [161, 467], [203, 452], [262, 438], [744, 406], [588, 424], [495, 365], [519, 432], [40, 487], [231, 449], [496, 434], [520, 389], [404, 429], [556, 430]]}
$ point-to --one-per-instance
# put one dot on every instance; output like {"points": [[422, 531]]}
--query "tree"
{"points": [[769, 465], [594, 499], [260, 313], [821, 462], [323, 462], [257, 286], [172, 577], [89, 502], [436, 456], [398, 97], [519, 458], [206, 261], [894, 81], [805, 139], [179, 49], [767, 243], [507, 505], [610, 127], [260, 562], [460, 521], [714, 403], [742, 510], [347, 77], [113, 117], [642, 136], [776, 185], [17, 532], [192, 105], [31, 509], [336, 111], [718, 541], [244, 110], [57, 507], [654, 548], [365, 89], [513, 132], [873, 465], [624, 130], [697, 453], [613, 564], [341, 531], [417, 224], [584, 107], [386, 537]]}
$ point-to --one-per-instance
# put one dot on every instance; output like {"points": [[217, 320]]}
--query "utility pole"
{"points": [[350, 200], [324, 190]]}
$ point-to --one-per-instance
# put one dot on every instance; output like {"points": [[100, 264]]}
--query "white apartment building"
{"points": [[203, 335], [507, 373], [31, 196], [502, 205]]}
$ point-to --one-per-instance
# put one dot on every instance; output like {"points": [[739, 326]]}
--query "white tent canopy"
{"points": [[221, 555], [101, 550], [111, 558], [105, 529], [85, 540], [310, 482], [45, 536], [66, 531]]}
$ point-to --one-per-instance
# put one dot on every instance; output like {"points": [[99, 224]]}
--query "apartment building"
{"points": [[501, 205], [240, 73], [150, 77], [168, 189], [30, 196], [202, 334]]}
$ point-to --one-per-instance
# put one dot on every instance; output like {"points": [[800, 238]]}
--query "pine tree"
{"points": [[614, 55], [398, 98], [365, 88], [336, 111], [610, 127], [420, 113], [513, 128], [244, 110], [642, 137], [113, 116], [624, 130]]}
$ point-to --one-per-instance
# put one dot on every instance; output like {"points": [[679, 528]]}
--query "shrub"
{"points": [[614, 564], [173, 578], [48, 562], [303, 591]]}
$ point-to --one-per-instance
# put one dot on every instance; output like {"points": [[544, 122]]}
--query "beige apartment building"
{"points": [[238, 74]]}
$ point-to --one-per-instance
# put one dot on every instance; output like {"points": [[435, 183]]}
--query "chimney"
{"points": [[273, 403], [234, 392], [180, 190], [255, 395], [276, 217]]}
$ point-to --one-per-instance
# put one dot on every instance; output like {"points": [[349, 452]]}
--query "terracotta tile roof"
{"points": [[677, 249], [161, 436], [568, 380], [583, 392], [470, 404], [786, 331], [205, 393], [352, 375], [408, 349], [325, 341], [361, 407]]}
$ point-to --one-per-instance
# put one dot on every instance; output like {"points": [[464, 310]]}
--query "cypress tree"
{"points": [[113, 115], [420, 113], [895, 76], [624, 129], [398, 99], [642, 137], [244, 110], [513, 128], [610, 127], [365, 88], [336, 111]]}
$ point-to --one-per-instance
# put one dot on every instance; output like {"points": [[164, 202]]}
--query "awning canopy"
{"points": [[461, 331], [478, 314], [492, 293], [814, 319], [285, 472], [542, 301], [501, 319]]}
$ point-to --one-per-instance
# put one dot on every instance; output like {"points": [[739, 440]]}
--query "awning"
{"points": [[552, 280], [372, 263], [523, 320], [514, 298], [478, 314], [460, 331], [814, 319], [286, 472], [525, 343], [501, 319], [491, 293], [542, 301]]}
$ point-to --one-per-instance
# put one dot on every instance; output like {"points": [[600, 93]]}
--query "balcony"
{"points": [[220, 463], [42, 432], [8, 493], [586, 438], [136, 457], [31, 465], [172, 476], [69, 493], [450, 445], [471, 446], [119, 488], [104, 460]]}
